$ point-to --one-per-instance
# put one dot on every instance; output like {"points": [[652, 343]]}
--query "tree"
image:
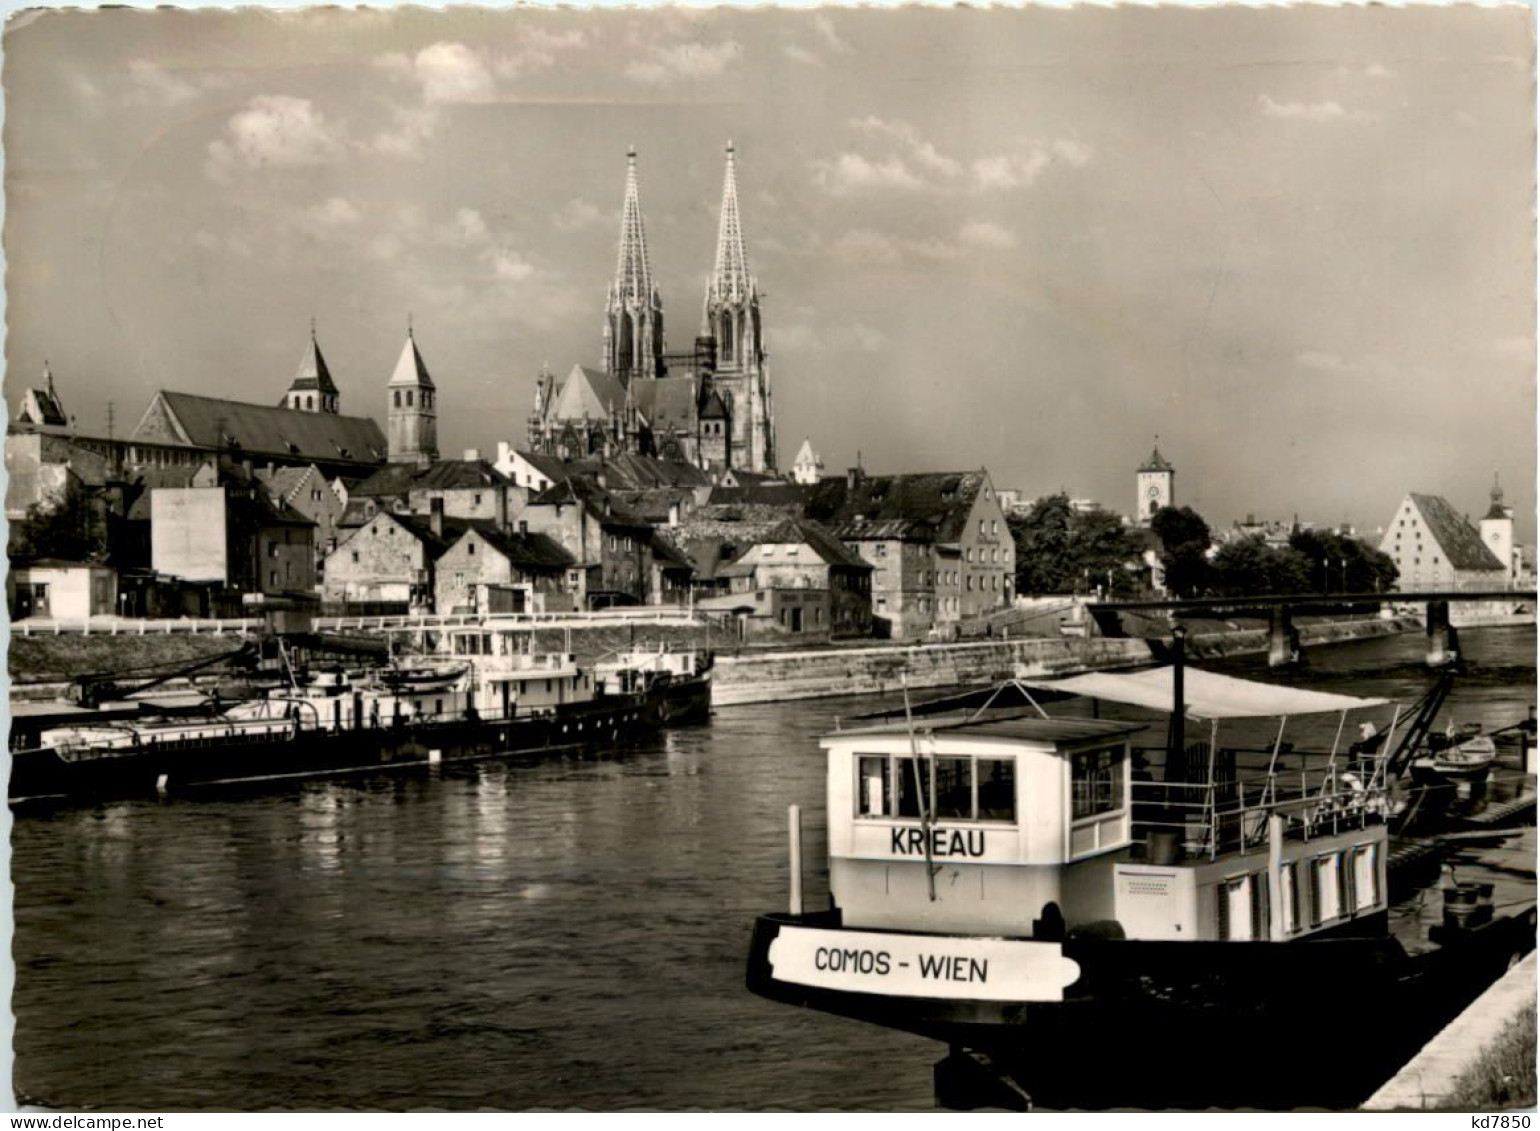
{"points": [[1061, 550], [1339, 563], [71, 528], [1249, 567], [1185, 541]]}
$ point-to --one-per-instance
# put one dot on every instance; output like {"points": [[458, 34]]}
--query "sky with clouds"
{"points": [[1296, 243]]}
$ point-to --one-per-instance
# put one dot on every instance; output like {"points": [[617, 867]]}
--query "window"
{"points": [[1325, 888], [873, 796], [1366, 877], [981, 528], [272, 548], [470, 549], [966, 788], [994, 526], [272, 577], [355, 556], [476, 499], [1096, 782], [1288, 883], [882, 549], [409, 398], [970, 583]]}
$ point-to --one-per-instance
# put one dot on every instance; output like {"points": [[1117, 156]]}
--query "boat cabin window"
{"points": [[1326, 888], [1366, 877], [1096, 781], [1288, 881], [965, 788]]}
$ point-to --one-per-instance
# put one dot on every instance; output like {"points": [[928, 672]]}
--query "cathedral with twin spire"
{"points": [[708, 405]]}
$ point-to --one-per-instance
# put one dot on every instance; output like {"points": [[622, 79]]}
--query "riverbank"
{"points": [[769, 677], [40, 666]]}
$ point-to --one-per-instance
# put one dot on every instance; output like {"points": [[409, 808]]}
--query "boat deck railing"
{"points": [[1229, 811]]}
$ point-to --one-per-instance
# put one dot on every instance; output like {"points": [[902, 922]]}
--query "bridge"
{"points": [[1283, 641]]}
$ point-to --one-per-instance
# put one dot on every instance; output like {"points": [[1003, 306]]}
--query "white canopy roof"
{"points": [[1209, 695]]}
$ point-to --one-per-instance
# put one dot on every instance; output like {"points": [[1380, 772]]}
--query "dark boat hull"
{"points": [[154, 768], [1309, 1023]]}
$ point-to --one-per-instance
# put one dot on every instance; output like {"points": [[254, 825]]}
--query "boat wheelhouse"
{"points": [[1026, 887]]}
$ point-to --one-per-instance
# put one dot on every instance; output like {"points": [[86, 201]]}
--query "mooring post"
{"points": [[794, 831]]}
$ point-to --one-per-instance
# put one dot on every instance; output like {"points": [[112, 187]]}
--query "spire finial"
{"points": [[312, 327], [631, 154], [409, 333]]}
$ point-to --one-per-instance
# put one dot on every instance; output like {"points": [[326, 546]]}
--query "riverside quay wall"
{"points": [[766, 677]]}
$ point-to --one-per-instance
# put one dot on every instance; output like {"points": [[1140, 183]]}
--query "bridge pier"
{"points": [[1282, 639], [1442, 645]]}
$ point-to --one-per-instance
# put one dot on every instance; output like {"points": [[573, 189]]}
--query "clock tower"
{"points": [[1155, 486]]}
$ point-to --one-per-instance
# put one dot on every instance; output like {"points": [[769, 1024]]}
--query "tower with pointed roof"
{"points": [[633, 310], [413, 428], [732, 322], [1497, 530], [1156, 483], [312, 389], [808, 466]]}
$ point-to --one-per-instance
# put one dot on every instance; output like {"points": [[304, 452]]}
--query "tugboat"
{"points": [[1084, 933], [679, 679]]}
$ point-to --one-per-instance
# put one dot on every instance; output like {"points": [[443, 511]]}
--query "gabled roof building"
{"points": [[1435, 547]]}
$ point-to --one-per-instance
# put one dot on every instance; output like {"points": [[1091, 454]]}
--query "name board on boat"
{"points": [[959, 844], [876, 962]]}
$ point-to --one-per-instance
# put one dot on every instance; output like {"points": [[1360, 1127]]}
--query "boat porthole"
{"points": [[564, 728]]}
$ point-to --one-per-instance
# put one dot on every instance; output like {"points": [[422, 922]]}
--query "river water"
{"points": [[565, 933]]}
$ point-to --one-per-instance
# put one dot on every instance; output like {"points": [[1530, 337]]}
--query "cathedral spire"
{"points": [[730, 278], [633, 273]]}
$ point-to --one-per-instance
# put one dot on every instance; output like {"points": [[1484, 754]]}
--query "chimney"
{"points": [[471, 455], [852, 477], [436, 516], [523, 526], [673, 514]]}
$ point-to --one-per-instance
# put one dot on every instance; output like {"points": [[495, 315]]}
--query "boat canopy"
{"points": [[1208, 695]]}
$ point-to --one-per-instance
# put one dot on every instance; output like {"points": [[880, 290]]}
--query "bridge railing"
{"points": [[134, 626]]}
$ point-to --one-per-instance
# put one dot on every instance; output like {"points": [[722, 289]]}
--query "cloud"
{"points": [[912, 162], [469, 227], [850, 172], [538, 49], [1310, 111], [1343, 368], [452, 72], [511, 267], [799, 54], [684, 61], [987, 235], [803, 337], [274, 131], [338, 212], [407, 134], [1379, 71], [152, 84], [576, 215], [824, 26]]}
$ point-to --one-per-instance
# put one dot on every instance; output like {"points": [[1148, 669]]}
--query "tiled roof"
{"points": [[600, 503], [925, 507], [669, 403], [654, 503], [1460, 541], [586, 394], [410, 369], [441, 475], [530, 550], [823, 543], [147, 480], [421, 528], [767, 493], [269, 431], [47, 407], [312, 372], [1156, 462]]}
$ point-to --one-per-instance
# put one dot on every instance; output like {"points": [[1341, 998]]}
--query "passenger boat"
{"points": [[680, 678], [1089, 923], [336, 722]]}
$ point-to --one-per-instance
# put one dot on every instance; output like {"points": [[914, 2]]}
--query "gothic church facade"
{"points": [[709, 405]]}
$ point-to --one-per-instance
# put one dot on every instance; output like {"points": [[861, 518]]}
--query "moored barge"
{"points": [[1081, 932]]}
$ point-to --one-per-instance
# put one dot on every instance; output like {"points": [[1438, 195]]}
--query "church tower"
{"points": [[732, 322], [1156, 484], [413, 434], [313, 389], [633, 313], [1497, 529]]}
